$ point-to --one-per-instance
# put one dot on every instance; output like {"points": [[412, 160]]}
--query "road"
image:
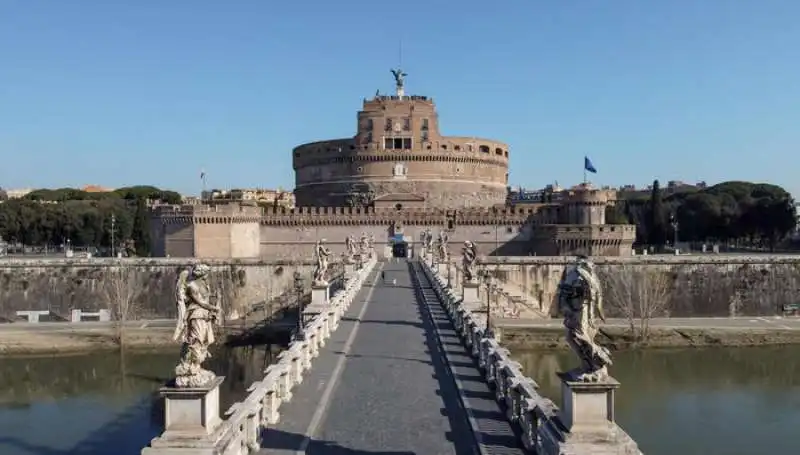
{"points": [[738, 323], [87, 325]]}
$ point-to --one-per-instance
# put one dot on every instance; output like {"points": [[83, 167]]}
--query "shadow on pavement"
{"points": [[276, 441], [435, 316]]}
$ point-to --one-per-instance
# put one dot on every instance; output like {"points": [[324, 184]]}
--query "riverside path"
{"points": [[393, 379]]}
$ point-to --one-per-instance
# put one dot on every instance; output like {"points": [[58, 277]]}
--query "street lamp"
{"points": [[674, 222], [298, 289], [113, 221], [487, 280]]}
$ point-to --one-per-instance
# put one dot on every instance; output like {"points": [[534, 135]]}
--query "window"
{"points": [[424, 135], [424, 125], [407, 124], [498, 151], [484, 149], [389, 123], [400, 171], [397, 143], [368, 138], [457, 148], [368, 124]]}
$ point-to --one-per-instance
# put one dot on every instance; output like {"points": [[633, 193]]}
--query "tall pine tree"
{"points": [[656, 219], [141, 228]]}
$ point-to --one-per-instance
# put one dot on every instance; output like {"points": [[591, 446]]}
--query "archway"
{"points": [[399, 246]]}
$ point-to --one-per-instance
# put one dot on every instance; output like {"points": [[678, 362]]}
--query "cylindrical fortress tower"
{"points": [[586, 205], [398, 154]]}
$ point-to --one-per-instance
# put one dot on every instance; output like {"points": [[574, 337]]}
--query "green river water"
{"points": [[689, 402]]}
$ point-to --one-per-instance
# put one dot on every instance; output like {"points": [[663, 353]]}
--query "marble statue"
{"points": [[469, 255], [580, 299], [427, 240], [321, 254], [195, 326], [352, 249], [364, 244], [444, 255]]}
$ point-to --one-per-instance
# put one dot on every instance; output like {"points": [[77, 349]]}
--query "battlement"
{"points": [[588, 196]]}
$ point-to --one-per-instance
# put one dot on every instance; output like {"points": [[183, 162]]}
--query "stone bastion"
{"points": [[692, 285], [61, 285]]}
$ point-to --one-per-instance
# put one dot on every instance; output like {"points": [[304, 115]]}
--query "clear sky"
{"points": [[121, 92]]}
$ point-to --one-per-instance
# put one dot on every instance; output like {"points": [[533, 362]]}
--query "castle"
{"points": [[396, 177]]}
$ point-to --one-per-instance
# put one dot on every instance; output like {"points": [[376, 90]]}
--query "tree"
{"points": [[616, 214], [656, 218], [122, 286], [141, 229], [638, 294]]}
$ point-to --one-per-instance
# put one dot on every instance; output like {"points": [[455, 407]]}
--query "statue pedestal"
{"points": [[319, 293], [320, 299], [349, 270], [191, 418], [588, 407], [469, 295]]}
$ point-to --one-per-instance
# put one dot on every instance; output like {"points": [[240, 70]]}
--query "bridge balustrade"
{"points": [[543, 428]]}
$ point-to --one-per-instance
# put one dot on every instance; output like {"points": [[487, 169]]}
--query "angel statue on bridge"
{"points": [[580, 299], [350, 244], [195, 326], [444, 254], [321, 254], [469, 255]]}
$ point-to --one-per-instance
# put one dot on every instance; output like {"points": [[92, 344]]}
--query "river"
{"points": [[693, 402], [101, 403], [727, 401]]}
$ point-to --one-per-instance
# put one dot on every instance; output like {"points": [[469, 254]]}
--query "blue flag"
{"points": [[588, 166]]}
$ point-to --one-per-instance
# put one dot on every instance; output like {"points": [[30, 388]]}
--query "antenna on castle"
{"points": [[399, 75], [400, 53]]}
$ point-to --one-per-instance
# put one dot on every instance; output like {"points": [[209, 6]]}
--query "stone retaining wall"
{"points": [[60, 285], [697, 285]]}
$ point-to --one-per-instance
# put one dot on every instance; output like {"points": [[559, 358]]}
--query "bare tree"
{"points": [[121, 289], [637, 294]]}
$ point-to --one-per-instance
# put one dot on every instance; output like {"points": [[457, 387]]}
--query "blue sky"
{"points": [[119, 92]]}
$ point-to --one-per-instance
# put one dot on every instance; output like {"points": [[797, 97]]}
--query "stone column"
{"points": [[191, 420]]}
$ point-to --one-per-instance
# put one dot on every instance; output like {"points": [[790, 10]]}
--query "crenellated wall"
{"points": [[697, 285], [277, 233]]}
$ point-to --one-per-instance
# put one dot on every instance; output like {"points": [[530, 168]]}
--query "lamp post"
{"points": [[674, 222], [113, 222], [487, 280], [299, 334]]}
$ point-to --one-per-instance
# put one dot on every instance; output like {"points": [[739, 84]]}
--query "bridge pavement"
{"points": [[381, 383]]}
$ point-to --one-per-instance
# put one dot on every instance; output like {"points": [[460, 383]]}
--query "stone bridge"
{"points": [[394, 363]]}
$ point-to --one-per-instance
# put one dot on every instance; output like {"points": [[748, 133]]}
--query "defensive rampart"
{"points": [[691, 285], [61, 285]]}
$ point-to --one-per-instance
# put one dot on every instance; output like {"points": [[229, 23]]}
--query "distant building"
{"points": [[278, 197], [96, 189], [16, 194]]}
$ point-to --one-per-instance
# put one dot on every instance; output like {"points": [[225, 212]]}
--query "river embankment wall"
{"points": [[142, 287], [663, 285]]}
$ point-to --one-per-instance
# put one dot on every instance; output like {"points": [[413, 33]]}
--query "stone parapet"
{"points": [[665, 259], [543, 427]]}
